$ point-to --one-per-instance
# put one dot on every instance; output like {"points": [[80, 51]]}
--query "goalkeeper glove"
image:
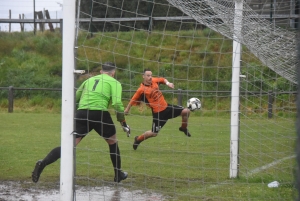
{"points": [[126, 128]]}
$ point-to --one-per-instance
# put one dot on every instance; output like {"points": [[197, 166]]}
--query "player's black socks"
{"points": [[115, 156], [53, 155]]}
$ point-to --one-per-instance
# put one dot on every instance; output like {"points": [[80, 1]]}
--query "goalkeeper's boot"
{"points": [[186, 132], [120, 175], [38, 169], [136, 143]]}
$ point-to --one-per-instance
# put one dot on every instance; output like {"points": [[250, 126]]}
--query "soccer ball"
{"points": [[193, 104]]}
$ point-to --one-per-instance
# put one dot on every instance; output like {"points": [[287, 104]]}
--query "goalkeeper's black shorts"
{"points": [[100, 121], [161, 118]]}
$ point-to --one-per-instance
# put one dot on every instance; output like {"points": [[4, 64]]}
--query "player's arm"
{"points": [[127, 109], [135, 100], [169, 84]]}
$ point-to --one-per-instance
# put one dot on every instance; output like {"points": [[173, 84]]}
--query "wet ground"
{"points": [[15, 191]]}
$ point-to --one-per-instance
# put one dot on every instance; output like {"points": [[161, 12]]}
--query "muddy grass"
{"points": [[22, 191]]}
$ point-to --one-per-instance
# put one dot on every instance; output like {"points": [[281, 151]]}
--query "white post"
{"points": [[67, 116], [235, 90]]}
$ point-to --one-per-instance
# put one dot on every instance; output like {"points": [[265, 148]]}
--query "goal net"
{"points": [[190, 43]]}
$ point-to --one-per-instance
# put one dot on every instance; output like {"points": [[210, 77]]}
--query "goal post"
{"points": [[235, 90], [67, 113]]}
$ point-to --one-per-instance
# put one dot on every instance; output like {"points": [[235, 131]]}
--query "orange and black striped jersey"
{"points": [[151, 95]]}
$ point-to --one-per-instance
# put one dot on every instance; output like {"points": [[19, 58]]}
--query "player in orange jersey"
{"points": [[149, 93]]}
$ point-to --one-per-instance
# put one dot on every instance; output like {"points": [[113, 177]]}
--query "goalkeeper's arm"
{"points": [[125, 127], [121, 119]]}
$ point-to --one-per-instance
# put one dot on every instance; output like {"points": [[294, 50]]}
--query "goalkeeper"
{"points": [[93, 97], [149, 93]]}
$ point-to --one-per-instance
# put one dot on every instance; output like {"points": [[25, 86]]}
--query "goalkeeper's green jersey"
{"points": [[97, 92]]}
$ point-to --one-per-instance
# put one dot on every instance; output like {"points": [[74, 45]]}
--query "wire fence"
{"points": [[180, 95]]}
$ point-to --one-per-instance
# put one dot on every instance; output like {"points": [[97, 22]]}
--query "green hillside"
{"points": [[193, 60]]}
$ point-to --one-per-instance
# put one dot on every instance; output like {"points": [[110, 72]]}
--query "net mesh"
{"points": [[190, 44], [274, 46]]}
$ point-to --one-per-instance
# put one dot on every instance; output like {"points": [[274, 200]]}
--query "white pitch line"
{"points": [[257, 170]]}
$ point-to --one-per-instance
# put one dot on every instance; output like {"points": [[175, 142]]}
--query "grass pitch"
{"points": [[181, 168]]}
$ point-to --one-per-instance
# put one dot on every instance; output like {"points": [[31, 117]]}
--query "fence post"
{"points": [[61, 26], [9, 28], [179, 97], [49, 23], [150, 22], [21, 24], [10, 99], [270, 104], [39, 15]]}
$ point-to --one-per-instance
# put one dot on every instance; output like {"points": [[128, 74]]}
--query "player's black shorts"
{"points": [[100, 121], [161, 118]]}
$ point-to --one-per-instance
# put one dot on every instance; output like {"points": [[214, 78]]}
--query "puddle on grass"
{"points": [[13, 191]]}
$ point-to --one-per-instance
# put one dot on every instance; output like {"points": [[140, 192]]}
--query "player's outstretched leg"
{"points": [[135, 143], [185, 113], [185, 131], [39, 166], [141, 138]]}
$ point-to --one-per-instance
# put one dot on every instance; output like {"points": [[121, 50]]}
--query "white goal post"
{"points": [[67, 113], [235, 91]]}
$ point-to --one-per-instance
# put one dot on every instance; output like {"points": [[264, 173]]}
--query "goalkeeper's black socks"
{"points": [[53, 155], [115, 156], [116, 161]]}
